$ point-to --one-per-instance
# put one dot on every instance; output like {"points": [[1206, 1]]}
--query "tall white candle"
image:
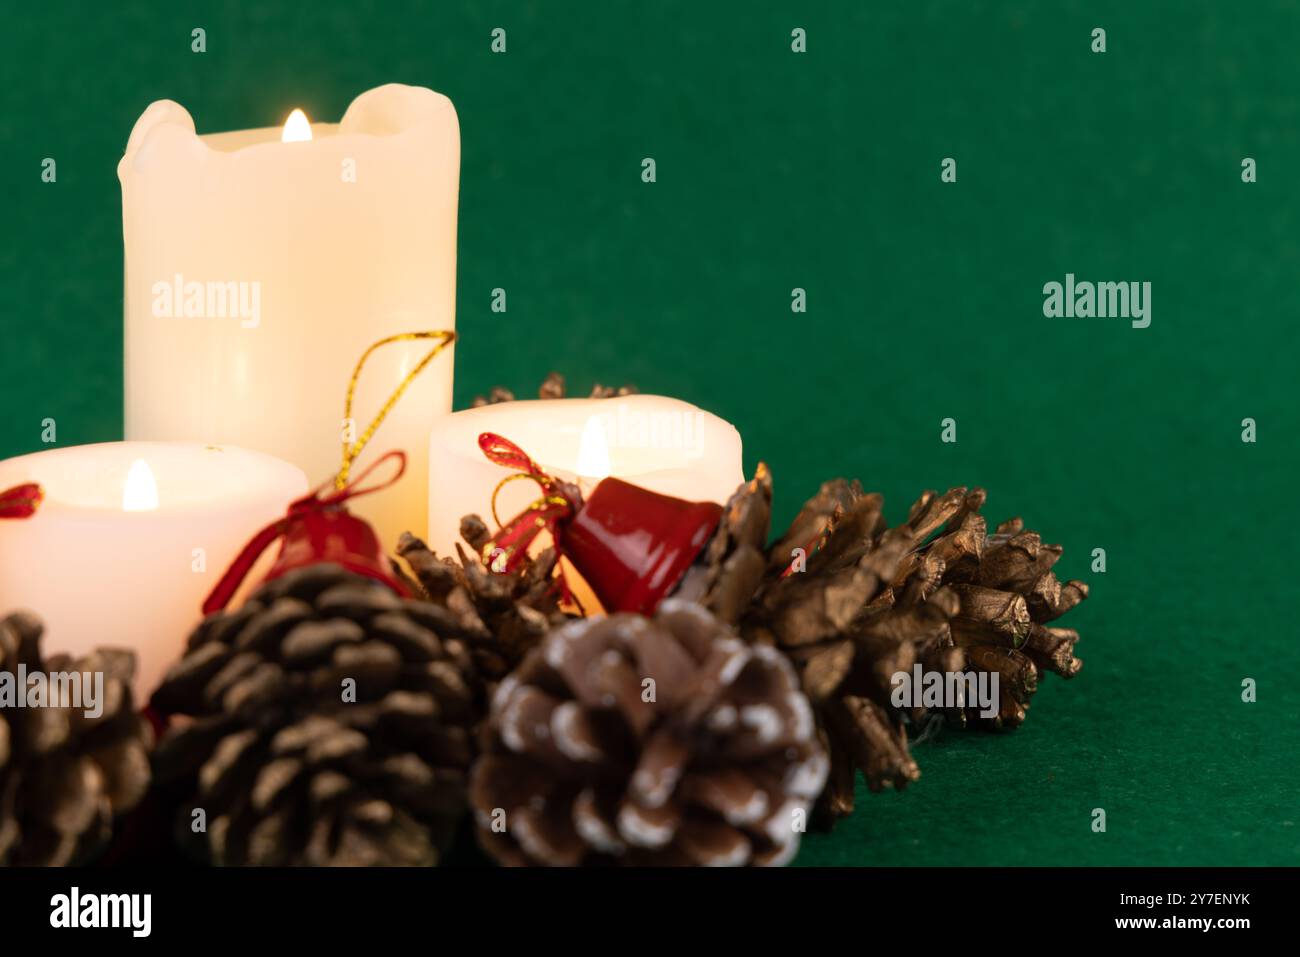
{"points": [[661, 444], [261, 263], [130, 538]]}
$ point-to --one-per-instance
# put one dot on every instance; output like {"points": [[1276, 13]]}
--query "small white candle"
{"points": [[261, 263], [661, 444], [129, 540]]}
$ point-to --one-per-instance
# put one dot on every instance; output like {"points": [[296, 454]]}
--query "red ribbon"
{"points": [[312, 501], [508, 548], [502, 451], [21, 501]]}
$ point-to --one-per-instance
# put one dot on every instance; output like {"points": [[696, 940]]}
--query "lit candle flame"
{"points": [[296, 128], [141, 491], [593, 451]]}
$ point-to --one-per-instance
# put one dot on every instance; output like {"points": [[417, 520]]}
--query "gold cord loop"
{"points": [[350, 452]]}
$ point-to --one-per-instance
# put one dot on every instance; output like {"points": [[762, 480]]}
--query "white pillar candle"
{"points": [[130, 538], [259, 269], [661, 444]]}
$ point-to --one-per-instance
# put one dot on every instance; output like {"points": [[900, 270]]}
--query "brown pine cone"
{"points": [[719, 766], [731, 567], [331, 726], [998, 592], [940, 593], [834, 563], [500, 617], [837, 556], [64, 776]]}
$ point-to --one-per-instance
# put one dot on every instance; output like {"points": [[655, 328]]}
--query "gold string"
{"points": [[541, 479], [351, 452]]}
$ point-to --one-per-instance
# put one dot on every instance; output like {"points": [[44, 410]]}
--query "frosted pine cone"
{"points": [[647, 741]]}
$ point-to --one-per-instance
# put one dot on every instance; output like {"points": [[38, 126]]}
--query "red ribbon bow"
{"points": [[508, 548], [21, 501], [313, 501]]}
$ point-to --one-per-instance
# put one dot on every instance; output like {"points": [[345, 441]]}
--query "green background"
{"points": [[821, 171]]}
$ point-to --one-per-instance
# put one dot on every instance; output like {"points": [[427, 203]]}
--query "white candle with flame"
{"points": [[661, 444], [129, 540], [260, 264]]}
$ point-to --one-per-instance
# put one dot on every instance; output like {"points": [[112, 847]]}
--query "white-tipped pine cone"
{"points": [[648, 741]]}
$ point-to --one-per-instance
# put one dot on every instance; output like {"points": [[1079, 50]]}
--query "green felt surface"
{"points": [[821, 170]]}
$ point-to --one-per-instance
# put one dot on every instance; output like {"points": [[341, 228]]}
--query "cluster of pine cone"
{"points": [[848, 602], [329, 721]]}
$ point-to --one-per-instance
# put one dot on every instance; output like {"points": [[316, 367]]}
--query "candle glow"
{"points": [[593, 451], [140, 494], [296, 128]]}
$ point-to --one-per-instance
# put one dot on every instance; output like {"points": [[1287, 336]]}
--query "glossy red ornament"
{"points": [[317, 528], [633, 546], [332, 534]]}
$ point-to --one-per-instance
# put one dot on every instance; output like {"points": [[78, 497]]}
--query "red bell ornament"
{"points": [[631, 545], [317, 528]]}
